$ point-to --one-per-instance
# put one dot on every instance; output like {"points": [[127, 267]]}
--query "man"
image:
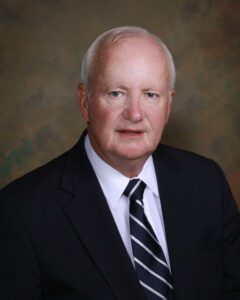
{"points": [[76, 229]]}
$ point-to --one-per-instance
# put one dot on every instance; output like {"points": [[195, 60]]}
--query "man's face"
{"points": [[129, 103]]}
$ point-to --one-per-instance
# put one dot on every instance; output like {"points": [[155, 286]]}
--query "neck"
{"points": [[128, 167]]}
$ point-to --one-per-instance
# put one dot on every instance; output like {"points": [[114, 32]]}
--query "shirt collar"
{"points": [[148, 175], [112, 182]]}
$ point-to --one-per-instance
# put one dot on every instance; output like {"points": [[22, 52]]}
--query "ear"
{"points": [[172, 93], [82, 97], [168, 110]]}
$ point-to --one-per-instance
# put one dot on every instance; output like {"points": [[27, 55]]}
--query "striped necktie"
{"points": [[150, 263]]}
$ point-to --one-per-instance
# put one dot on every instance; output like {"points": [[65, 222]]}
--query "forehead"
{"points": [[135, 49]]}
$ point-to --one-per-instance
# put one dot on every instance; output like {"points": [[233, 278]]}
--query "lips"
{"points": [[131, 132]]}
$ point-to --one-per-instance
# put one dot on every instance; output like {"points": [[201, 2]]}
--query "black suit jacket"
{"points": [[59, 240]]}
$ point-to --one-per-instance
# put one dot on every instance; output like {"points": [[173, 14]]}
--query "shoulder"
{"points": [[185, 159], [193, 168], [200, 177], [39, 178], [48, 175]]}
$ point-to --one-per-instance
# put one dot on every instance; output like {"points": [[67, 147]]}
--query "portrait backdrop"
{"points": [[43, 41]]}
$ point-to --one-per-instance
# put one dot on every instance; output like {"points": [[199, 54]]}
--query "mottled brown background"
{"points": [[42, 42]]}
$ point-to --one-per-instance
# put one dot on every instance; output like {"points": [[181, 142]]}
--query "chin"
{"points": [[134, 154]]}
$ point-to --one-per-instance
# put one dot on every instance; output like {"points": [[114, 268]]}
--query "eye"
{"points": [[151, 95], [115, 93]]}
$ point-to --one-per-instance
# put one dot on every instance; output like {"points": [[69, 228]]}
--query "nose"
{"points": [[133, 110]]}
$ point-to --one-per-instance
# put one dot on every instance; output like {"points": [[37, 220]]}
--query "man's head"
{"points": [[110, 37], [125, 96]]}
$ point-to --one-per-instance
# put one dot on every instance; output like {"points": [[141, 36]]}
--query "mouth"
{"points": [[131, 132]]}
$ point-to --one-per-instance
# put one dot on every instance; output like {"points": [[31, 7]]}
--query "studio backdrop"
{"points": [[43, 41]]}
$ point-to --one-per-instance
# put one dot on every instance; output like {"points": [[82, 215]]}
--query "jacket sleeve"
{"points": [[19, 272], [231, 243]]}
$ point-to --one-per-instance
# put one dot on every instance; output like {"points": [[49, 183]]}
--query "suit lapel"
{"points": [[178, 207], [90, 216]]}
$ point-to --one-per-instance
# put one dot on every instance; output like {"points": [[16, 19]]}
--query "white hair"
{"points": [[111, 36]]}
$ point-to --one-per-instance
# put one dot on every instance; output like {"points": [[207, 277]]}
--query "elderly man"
{"points": [[119, 216]]}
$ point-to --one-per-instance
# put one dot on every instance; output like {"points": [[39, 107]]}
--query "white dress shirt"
{"points": [[113, 184]]}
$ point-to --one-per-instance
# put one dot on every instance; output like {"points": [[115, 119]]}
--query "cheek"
{"points": [[165, 111], [103, 119], [158, 119]]}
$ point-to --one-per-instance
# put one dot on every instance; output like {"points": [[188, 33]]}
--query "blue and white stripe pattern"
{"points": [[150, 263]]}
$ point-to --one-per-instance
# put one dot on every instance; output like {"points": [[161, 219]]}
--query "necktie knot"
{"points": [[135, 189]]}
